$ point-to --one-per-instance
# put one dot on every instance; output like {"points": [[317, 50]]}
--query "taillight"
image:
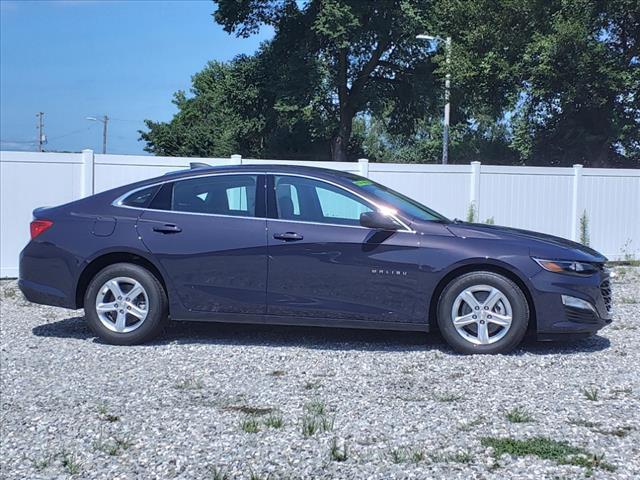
{"points": [[39, 226]]}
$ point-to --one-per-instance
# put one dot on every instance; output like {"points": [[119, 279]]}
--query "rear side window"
{"points": [[141, 198], [217, 194]]}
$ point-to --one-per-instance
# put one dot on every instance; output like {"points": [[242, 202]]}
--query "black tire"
{"points": [[514, 295], [157, 309]]}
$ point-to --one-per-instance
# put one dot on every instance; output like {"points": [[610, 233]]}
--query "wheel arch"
{"points": [[110, 258], [482, 266]]}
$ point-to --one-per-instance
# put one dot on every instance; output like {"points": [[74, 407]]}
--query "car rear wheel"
{"points": [[483, 312], [125, 304]]}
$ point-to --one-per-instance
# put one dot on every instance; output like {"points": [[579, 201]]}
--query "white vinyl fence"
{"points": [[550, 200]]}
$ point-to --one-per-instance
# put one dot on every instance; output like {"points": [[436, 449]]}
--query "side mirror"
{"points": [[379, 221]]}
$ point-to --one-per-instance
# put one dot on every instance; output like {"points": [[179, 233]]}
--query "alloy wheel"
{"points": [[482, 314], [122, 304]]}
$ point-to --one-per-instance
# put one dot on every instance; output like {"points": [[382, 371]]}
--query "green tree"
{"points": [[566, 74], [252, 106], [373, 63], [541, 82]]}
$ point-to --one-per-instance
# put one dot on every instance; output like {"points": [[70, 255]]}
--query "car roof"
{"points": [[262, 168]]}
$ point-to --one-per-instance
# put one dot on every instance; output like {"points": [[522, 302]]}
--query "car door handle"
{"points": [[167, 229], [288, 236]]}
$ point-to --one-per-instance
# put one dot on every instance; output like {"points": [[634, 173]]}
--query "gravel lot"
{"points": [[402, 404]]}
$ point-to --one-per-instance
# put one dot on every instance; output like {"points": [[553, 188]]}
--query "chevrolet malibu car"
{"points": [[306, 246]]}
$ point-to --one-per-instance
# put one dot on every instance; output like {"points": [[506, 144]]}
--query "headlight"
{"points": [[565, 266]]}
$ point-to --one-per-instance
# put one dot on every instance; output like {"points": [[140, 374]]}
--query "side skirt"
{"points": [[302, 321]]}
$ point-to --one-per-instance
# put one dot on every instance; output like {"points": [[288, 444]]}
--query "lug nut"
{"points": [[116, 305], [474, 317], [477, 308], [488, 316], [482, 322], [486, 308]]}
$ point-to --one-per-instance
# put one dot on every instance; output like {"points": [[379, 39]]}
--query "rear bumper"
{"points": [[44, 294], [46, 275]]}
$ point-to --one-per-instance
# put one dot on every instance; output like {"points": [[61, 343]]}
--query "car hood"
{"points": [[540, 244]]}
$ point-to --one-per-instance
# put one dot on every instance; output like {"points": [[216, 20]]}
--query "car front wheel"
{"points": [[483, 312], [125, 304]]}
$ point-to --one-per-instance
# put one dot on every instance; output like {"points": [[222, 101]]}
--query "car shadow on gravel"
{"points": [[310, 337]]}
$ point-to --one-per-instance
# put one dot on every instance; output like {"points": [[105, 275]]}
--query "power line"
{"points": [[105, 122], [126, 120], [73, 132]]}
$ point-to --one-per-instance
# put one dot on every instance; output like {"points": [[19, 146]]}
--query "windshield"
{"points": [[399, 201]]}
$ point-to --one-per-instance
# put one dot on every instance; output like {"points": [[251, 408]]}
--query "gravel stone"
{"points": [[72, 406]]}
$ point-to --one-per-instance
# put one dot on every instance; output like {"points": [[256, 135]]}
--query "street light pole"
{"points": [[447, 91], [447, 104], [105, 121]]}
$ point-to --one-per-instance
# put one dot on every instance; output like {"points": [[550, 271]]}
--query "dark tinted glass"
{"points": [[141, 198], [162, 200], [216, 194]]}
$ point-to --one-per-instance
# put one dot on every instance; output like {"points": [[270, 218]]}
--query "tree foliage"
{"points": [[541, 82]]}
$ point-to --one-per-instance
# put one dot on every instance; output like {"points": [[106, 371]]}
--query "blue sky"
{"points": [[73, 59]]}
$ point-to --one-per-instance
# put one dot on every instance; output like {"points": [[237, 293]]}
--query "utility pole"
{"points": [[104, 120], [41, 137]]}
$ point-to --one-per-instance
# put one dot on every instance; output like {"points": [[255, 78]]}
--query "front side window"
{"points": [[217, 194], [309, 200]]}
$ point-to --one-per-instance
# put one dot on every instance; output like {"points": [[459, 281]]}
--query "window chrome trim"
{"points": [[118, 201]]}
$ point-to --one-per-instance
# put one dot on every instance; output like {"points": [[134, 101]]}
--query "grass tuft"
{"points": [[316, 407], [42, 463], [338, 454], [560, 452], [71, 463], [249, 424], [405, 455], [274, 421], [315, 419], [591, 394], [217, 473], [256, 476], [519, 415], [471, 424]]}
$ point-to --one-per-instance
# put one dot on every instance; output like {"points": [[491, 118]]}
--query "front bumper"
{"points": [[557, 320]]}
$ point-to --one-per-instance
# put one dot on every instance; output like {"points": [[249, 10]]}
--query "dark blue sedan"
{"points": [[305, 246]]}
